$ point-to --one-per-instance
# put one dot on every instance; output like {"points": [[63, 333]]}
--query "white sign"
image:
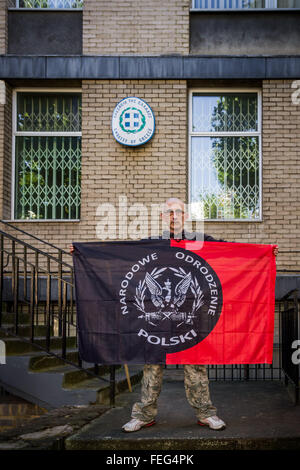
{"points": [[133, 122], [2, 92], [2, 352]]}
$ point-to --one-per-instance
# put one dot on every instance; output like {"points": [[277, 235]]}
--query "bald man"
{"points": [[195, 376]]}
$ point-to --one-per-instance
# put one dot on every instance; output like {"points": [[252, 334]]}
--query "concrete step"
{"points": [[9, 410], [72, 375], [41, 362], [259, 416], [53, 388], [16, 346], [9, 317], [121, 384], [24, 330]]}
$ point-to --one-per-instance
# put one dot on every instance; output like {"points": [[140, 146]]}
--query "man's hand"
{"points": [[275, 250], [71, 248]]}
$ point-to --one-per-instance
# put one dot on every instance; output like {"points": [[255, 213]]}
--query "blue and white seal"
{"points": [[133, 122]]}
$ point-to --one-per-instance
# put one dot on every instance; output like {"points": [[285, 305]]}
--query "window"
{"points": [[243, 4], [47, 148], [224, 148], [70, 4]]}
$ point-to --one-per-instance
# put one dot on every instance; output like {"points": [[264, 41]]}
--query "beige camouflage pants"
{"points": [[196, 388]]}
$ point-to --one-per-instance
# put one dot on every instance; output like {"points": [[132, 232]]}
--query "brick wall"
{"points": [[147, 174], [3, 26], [158, 170], [281, 172], [147, 27]]}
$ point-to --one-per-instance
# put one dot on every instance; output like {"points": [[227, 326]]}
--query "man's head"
{"points": [[173, 214]]}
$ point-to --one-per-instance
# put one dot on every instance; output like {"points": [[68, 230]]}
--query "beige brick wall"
{"points": [[146, 27], [157, 170], [3, 26], [281, 176], [147, 174]]}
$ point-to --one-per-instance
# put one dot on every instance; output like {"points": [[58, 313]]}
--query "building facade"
{"points": [[222, 81]]}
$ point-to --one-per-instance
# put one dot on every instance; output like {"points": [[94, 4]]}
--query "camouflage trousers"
{"points": [[196, 388]]}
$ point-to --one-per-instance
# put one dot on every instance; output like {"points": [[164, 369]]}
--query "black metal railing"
{"points": [[289, 322], [40, 283], [286, 331]]}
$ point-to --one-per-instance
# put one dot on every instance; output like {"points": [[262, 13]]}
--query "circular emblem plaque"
{"points": [[172, 300], [133, 122]]}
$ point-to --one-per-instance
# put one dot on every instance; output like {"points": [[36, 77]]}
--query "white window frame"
{"points": [[257, 133], [29, 133]]}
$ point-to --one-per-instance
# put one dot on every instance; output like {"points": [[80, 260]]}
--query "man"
{"points": [[195, 376]]}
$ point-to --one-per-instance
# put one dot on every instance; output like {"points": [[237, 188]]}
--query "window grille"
{"points": [[243, 4], [47, 156], [225, 171], [53, 4]]}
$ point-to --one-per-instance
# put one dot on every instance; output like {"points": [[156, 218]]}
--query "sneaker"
{"points": [[135, 425], [213, 422]]}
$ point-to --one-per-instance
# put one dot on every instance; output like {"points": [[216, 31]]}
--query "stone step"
{"points": [[19, 410], [259, 416], [16, 346], [71, 375], [45, 361], [60, 385], [75, 377], [24, 330], [9, 317], [103, 389]]}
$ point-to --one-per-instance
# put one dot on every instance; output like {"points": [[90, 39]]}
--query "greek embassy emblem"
{"points": [[133, 122], [172, 306]]}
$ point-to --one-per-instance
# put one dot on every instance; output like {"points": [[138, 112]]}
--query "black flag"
{"points": [[138, 301]]}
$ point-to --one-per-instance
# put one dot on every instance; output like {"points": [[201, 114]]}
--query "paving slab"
{"points": [[259, 416]]}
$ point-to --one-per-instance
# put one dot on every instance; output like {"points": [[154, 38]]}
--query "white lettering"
{"points": [[135, 268], [152, 339], [296, 354]]}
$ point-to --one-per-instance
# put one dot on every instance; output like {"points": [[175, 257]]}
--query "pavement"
{"points": [[260, 415]]}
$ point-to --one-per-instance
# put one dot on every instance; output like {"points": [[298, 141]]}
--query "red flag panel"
{"points": [[245, 329]]}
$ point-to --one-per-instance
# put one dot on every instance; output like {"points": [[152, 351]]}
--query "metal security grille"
{"points": [[243, 4], [225, 156], [47, 156], [59, 4]]}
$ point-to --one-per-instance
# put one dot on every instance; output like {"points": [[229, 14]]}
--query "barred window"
{"points": [[47, 132], [224, 147], [59, 4]]}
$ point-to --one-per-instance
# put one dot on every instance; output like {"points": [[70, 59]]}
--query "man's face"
{"points": [[174, 216]]}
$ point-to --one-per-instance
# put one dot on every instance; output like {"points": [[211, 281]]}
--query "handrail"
{"points": [[33, 236], [33, 271], [37, 250], [53, 274]]}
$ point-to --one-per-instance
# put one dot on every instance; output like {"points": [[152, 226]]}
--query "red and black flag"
{"points": [[168, 302]]}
